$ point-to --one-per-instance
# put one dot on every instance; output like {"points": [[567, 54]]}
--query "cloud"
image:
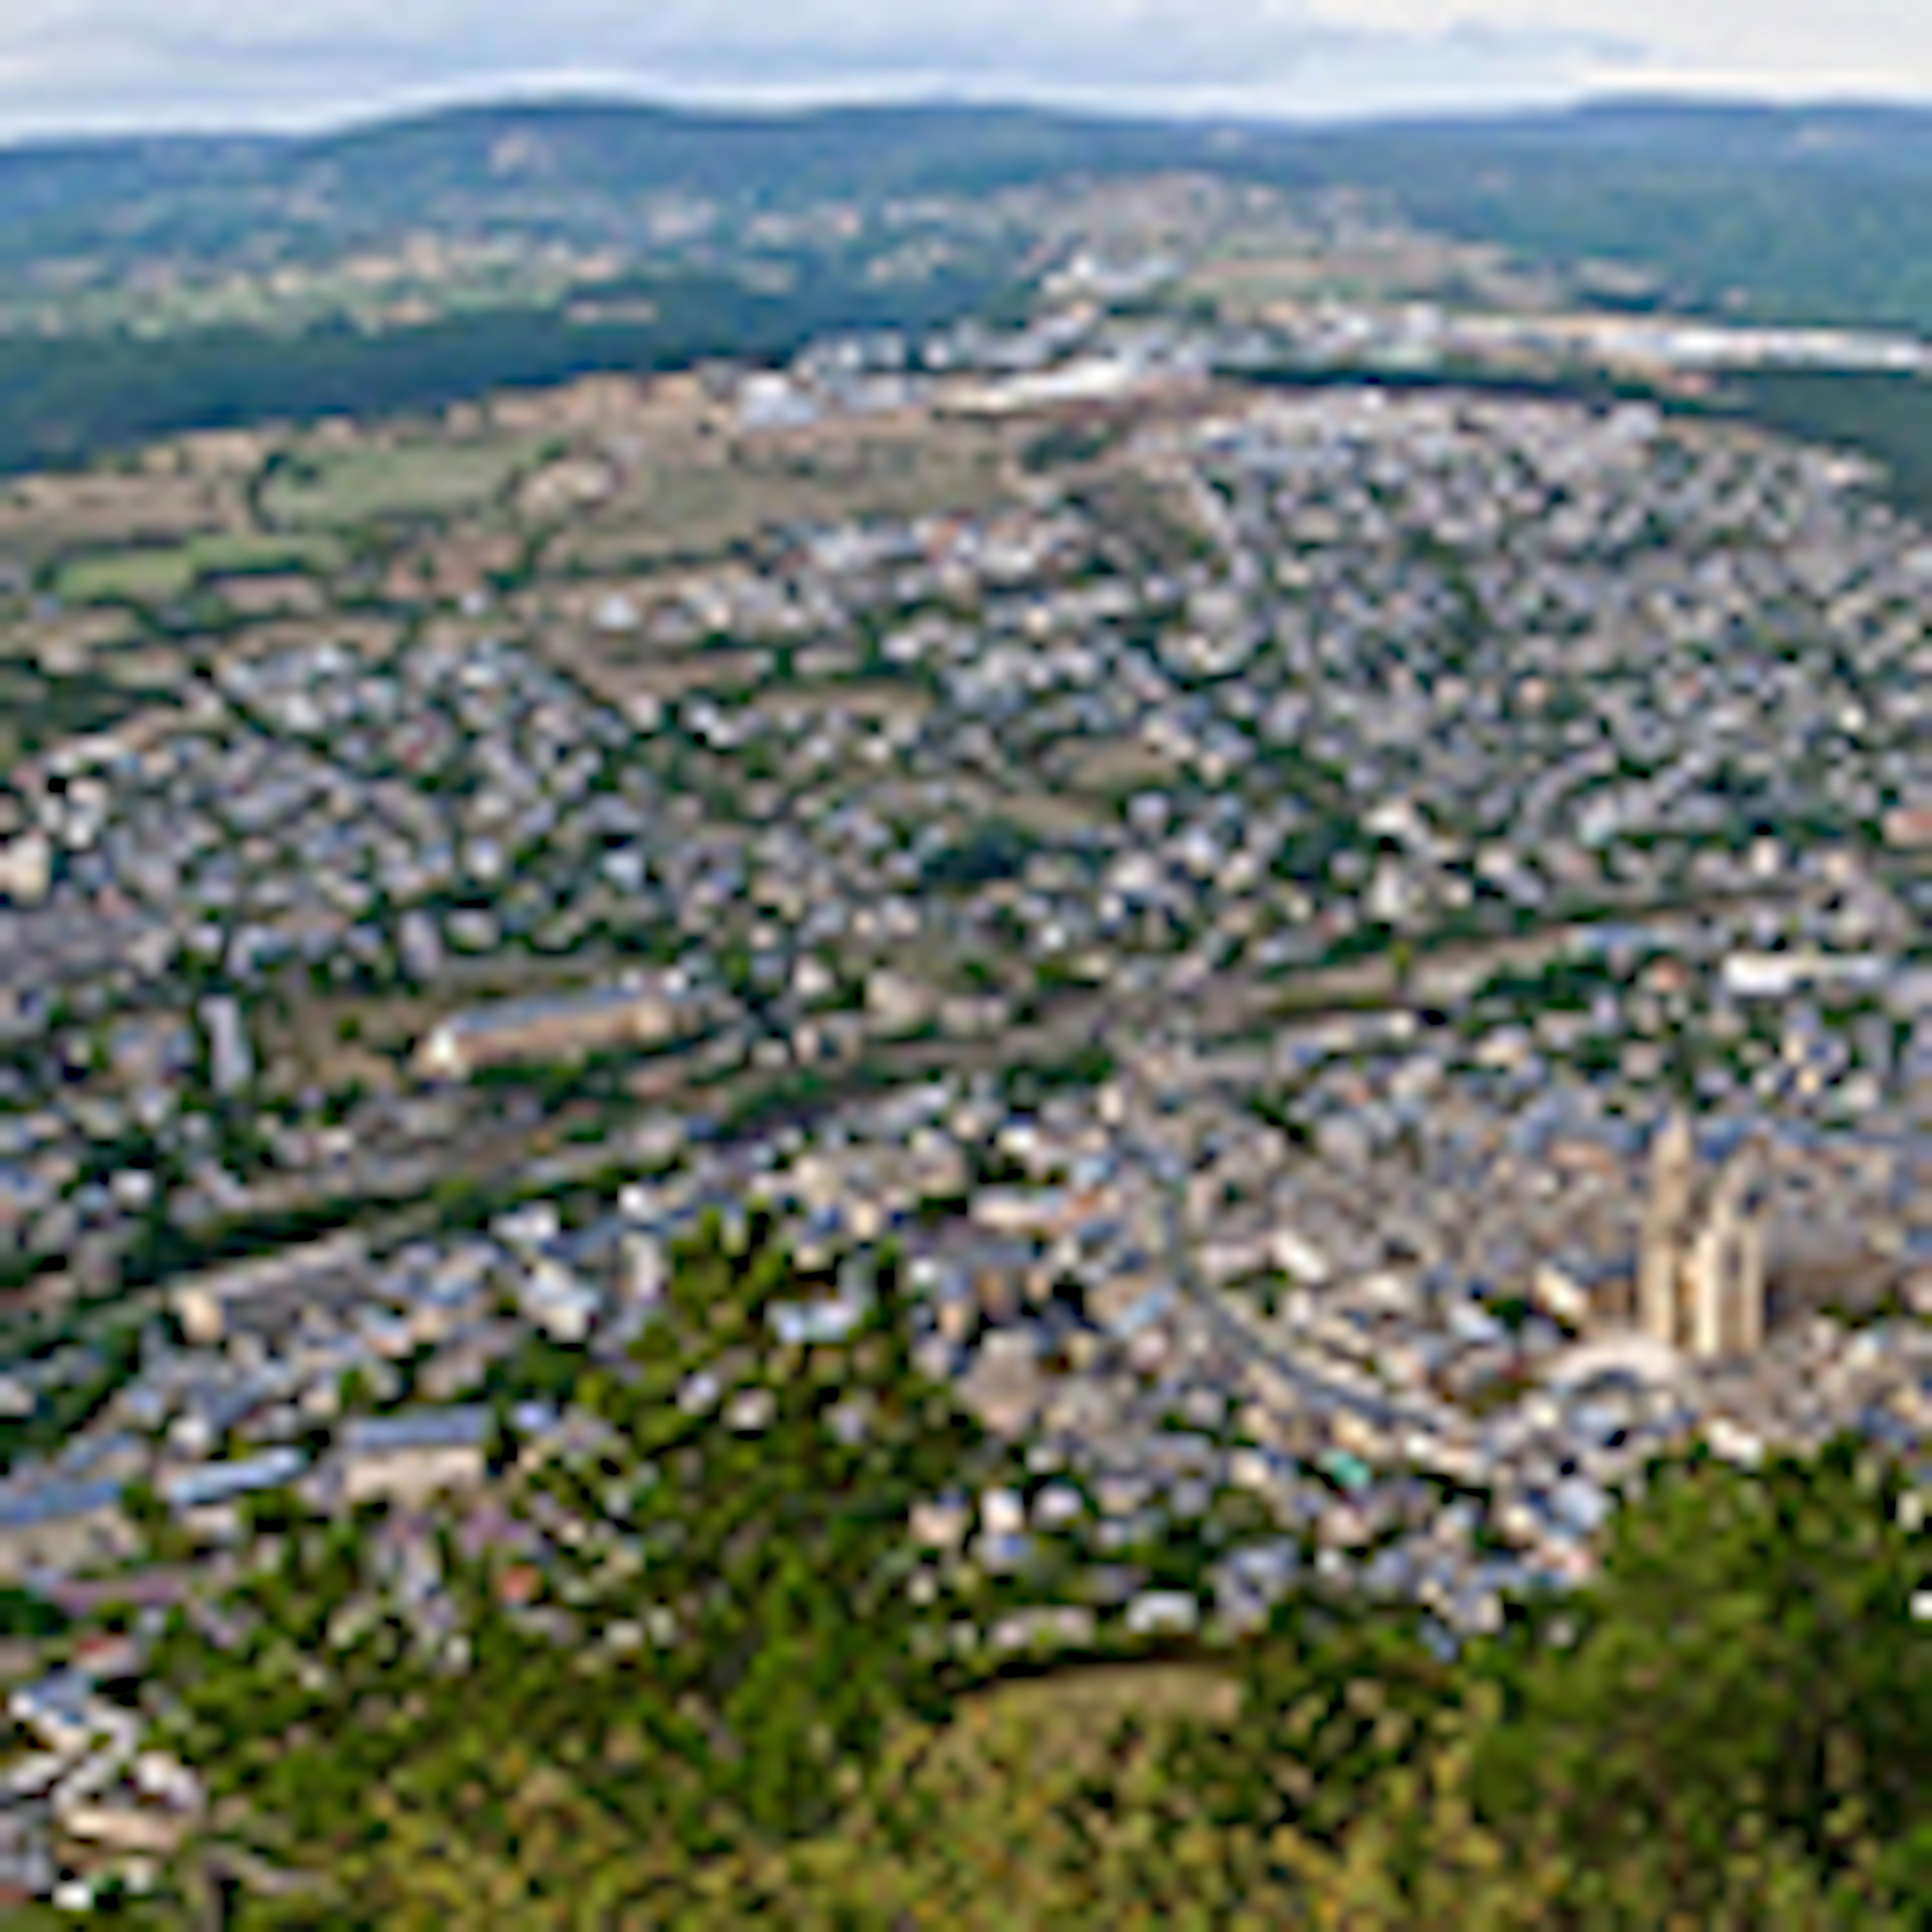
{"points": [[69, 60], [202, 59]]}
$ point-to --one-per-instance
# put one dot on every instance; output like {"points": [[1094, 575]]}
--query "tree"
{"points": [[1733, 1726], [1749, 1660]]}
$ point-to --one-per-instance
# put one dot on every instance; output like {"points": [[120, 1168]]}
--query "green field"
{"points": [[150, 574], [339, 489]]}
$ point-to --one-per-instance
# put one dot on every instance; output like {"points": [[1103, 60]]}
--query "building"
{"points": [[409, 1458], [566, 1027], [1701, 1270], [208, 1305], [1665, 1228], [62, 1526], [231, 1058], [1725, 1273], [207, 1498]]}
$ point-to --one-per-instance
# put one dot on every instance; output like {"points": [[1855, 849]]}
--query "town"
{"points": [[1357, 954]]}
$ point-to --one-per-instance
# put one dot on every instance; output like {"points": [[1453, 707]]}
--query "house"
{"points": [[940, 1524], [208, 1305], [800, 1324], [61, 1526], [26, 1864], [208, 1498], [121, 1823], [1163, 1613], [231, 1058], [26, 868], [103, 1656], [1048, 1628], [408, 1458], [558, 1301], [1004, 1387], [61, 1711]]}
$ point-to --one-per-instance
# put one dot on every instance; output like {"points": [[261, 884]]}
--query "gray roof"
{"points": [[513, 1015], [219, 1482], [419, 1429], [799, 1323], [25, 1508]]}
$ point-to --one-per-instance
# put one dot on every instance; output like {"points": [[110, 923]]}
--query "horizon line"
{"points": [[541, 93]]}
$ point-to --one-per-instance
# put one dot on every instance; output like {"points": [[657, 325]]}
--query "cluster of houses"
{"points": [[90, 1798], [1356, 666], [1426, 1355], [1277, 897]]}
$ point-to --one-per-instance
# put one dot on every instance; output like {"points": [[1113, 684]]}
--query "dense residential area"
{"points": [[1024, 979]]}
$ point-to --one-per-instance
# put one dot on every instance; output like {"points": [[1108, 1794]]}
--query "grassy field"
{"points": [[46, 517], [620, 670], [1051, 815], [689, 496], [142, 576], [1246, 284], [339, 489], [1067, 1716], [155, 573]]}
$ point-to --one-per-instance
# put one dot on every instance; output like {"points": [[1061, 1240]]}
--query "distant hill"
{"points": [[1667, 131], [1795, 214], [487, 153], [578, 167], [1824, 211]]}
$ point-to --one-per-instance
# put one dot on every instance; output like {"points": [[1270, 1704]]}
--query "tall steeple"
{"points": [[1737, 1262], [1700, 1272], [1666, 1229]]}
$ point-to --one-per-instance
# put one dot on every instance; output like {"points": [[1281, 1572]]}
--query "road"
{"points": [[1322, 1394]]}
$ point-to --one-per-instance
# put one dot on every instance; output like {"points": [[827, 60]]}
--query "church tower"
{"points": [[1701, 1270], [1666, 1229]]}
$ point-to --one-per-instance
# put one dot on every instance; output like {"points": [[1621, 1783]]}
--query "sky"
{"points": [[97, 65]]}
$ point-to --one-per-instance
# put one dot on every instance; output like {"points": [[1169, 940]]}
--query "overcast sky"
{"points": [[87, 64]]}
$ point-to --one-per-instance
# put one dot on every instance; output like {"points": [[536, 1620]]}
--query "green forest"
{"points": [[1798, 214], [1887, 419], [1731, 1727], [75, 398]]}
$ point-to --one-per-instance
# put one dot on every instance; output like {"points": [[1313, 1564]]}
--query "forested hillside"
{"points": [[1733, 1726], [144, 274], [1785, 215]]}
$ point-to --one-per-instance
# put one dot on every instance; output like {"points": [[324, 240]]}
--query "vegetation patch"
{"points": [[159, 573], [37, 710], [340, 489]]}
